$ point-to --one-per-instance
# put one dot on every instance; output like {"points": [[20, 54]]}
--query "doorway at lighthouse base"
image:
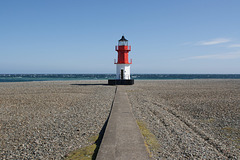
{"points": [[122, 75], [122, 71]]}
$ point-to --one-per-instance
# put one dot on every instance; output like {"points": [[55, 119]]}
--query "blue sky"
{"points": [[79, 36]]}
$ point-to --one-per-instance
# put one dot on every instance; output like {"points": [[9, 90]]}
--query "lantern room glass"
{"points": [[123, 41]]}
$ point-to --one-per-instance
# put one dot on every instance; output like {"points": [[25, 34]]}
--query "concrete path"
{"points": [[122, 139]]}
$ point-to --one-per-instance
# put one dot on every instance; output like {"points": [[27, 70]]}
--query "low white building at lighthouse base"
{"points": [[123, 71]]}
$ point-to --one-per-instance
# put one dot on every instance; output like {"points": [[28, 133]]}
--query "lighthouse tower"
{"points": [[122, 64]]}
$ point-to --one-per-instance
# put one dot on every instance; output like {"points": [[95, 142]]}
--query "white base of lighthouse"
{"points": [[122, 75], [123, 71]]}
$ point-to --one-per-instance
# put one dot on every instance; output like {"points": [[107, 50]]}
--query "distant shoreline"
{"points": [[68, 77]]}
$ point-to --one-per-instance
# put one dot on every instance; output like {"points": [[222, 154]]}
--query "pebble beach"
{"points": [[191, 119], [47, 120]]}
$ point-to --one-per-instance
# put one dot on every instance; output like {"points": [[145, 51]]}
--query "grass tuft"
{"points": [[85, 153], [150, 140]]}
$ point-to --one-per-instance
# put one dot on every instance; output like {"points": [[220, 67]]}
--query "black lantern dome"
{"points": [[123, 41]]}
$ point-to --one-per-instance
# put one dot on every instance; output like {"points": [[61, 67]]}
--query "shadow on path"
{"points": [[99, 140], [101, 134]]}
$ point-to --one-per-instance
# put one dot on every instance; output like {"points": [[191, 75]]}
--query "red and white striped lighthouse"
{"points": [[122, 64]]}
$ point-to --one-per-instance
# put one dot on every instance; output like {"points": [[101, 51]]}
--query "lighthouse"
{"points": [[122, 64]]}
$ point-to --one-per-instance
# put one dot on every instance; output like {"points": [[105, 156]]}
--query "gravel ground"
{"points": [[192, 119], [47, 120]]}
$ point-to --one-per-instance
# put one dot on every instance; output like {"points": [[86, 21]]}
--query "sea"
{"points": [[67, 77]]}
